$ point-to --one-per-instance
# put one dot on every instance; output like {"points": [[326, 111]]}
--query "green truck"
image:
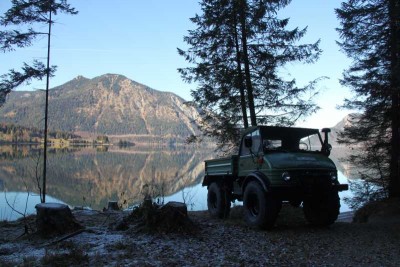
{"points": [[276, 165]]}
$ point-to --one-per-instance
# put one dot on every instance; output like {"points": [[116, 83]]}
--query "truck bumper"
{"points": [[301, 191]]}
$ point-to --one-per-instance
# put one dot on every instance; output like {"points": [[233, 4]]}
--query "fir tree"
{"points": [[370, 35], [18, 23], [236, 52], [26, 13]]}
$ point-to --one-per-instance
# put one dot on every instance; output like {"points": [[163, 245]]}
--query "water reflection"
{"points": [[14, 205], [91, 177]]}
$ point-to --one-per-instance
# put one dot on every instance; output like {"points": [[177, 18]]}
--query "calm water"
{"points": [[91, 177]]}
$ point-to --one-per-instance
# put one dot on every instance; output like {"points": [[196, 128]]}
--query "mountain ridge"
{"points": [[107, 104]]}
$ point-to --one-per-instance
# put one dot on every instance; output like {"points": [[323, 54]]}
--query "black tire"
{"points": [[218, 201], [295, 202], [260, 208], [322, 210]]}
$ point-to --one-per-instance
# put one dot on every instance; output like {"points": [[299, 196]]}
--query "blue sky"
{"points": [[138, 39]]}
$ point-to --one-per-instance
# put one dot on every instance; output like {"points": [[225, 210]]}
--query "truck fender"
{"points": [[259, 177], [207, 180]]}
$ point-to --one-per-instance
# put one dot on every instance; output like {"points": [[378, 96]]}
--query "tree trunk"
{"points": [[394, 15], [46, 112], [239, 79], [249, 86]]}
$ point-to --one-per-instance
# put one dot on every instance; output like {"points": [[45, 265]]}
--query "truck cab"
{"points": [[275, 165]]}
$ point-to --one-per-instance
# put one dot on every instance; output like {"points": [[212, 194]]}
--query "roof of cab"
{"points": [[277, 132]]}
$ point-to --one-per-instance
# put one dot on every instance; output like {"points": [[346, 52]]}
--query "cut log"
{"points": [[55, 218]]}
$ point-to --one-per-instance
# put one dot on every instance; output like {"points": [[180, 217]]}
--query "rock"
{"points": [[55, 218]]}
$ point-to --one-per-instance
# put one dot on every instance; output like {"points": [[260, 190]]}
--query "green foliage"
{"points": [[27, 13], [236, 54], [15, 78], [370, 35], [367, 190]]}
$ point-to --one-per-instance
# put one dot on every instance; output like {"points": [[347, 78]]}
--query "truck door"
{"points": [[248, 155]]}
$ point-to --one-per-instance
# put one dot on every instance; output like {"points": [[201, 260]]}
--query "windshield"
{"points": [[290, 139]]}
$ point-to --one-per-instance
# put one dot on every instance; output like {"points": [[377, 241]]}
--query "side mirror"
{"points": [[326, 132], [248, 141], [326, 147]]}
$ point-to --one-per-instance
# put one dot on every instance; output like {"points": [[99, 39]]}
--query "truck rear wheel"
{"points": [[218, 201], [260, 208], [322, 210]]}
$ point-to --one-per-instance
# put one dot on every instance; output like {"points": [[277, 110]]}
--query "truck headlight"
{"points": [[333, 176], [286, 177]]}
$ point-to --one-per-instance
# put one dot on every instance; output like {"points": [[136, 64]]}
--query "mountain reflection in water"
{"points": [[91, 176]]}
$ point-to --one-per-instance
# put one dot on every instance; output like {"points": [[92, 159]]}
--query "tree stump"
{"points": [[174, 209], [173, 217], [151, 217], [113, 205], [55, 218]]}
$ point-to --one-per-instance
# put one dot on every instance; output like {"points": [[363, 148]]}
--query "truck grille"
{"points": [[312, 179]]}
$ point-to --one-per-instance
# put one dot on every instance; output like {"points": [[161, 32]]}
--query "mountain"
{"points": [[109, 104]]}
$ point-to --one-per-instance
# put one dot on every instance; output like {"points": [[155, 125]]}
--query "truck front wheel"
{"points": [[322, 210], [260, 208], [218, 201]]}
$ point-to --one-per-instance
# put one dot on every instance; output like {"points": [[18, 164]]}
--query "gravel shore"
{"points": [[215, 243]]}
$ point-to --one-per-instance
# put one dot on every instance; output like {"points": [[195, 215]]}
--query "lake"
{"points": [[90, 177]]}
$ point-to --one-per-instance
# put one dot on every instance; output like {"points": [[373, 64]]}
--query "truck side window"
{"points": [[271, 144], [244, 150], [256, 140]]}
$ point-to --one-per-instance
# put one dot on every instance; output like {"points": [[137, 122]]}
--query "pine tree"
{"points": [[215, 52], [26, 13], [370, 35], [18, 31], [236, 53]]}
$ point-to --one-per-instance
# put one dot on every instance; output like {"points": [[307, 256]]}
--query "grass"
{"points": [[74, 257], [4, 263], [26, 262]]}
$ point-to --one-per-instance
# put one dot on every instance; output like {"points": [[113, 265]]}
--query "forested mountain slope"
{"points": [[108, 104]]}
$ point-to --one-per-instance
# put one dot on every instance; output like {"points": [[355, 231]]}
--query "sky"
{"points": [[139, 39]]}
